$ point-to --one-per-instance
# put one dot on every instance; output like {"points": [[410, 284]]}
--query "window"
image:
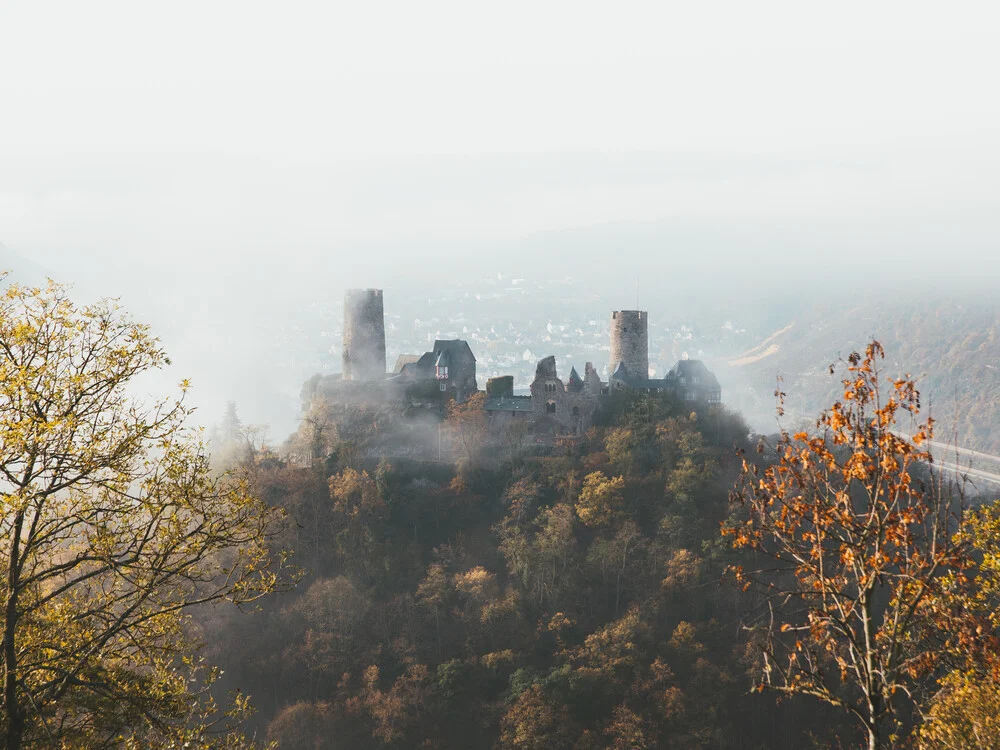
{"points": [[683, 380], [441, 373], [443, 386], [550, 387], [576, 412], [689, 395], [550, 407], [695, 379]]}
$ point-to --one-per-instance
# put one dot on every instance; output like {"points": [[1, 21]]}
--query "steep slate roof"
{"points": [[691, 368], [422, 367], [623, 374], [444, 354], [686, 368], [404, 359], [453, 346], [575, 381]]}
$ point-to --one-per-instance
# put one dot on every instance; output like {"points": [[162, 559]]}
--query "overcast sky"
{"points": [[164, 149], [226, 128]]}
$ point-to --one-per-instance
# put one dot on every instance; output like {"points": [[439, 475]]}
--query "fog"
{"points": [[228, 169]]}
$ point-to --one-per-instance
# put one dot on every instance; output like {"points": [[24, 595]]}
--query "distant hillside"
{"points": [[949, 343], [20, 268]]}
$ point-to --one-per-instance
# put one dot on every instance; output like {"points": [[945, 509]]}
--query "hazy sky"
{"points": [[221, 156], [217, 129]]}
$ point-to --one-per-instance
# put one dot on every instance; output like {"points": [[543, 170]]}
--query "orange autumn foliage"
{"points": [[860, 554]]}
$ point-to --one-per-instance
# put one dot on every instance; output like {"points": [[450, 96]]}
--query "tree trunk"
{"points": [[15, 715]]}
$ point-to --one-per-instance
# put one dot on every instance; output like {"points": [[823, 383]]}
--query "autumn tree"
{"points": [[614, 556], [543, 561], [304, 725], [965, 713], [358, 512], [466, 423], [113, 526], [965, 709], [601, 499], [621, 444], [435, 593], [397, 711], [317, 433], [862, 552]]}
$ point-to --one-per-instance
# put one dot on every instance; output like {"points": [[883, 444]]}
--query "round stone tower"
{"points": [[364, 335], [630, 342]]}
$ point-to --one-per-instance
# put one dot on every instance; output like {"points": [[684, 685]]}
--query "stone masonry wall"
{"points": [[630, 342], [364, 335]]}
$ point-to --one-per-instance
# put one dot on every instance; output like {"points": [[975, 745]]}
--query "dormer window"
{"points": [[441, 372]]}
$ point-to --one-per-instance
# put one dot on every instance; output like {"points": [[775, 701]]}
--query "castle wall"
{"points": [[364, 335], [557, 409], [630, 342]]}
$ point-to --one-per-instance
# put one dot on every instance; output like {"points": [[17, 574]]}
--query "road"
{"points": [[972, 473]]}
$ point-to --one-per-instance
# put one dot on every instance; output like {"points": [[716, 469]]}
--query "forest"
{"points": [[667, 579], [581, 595]]}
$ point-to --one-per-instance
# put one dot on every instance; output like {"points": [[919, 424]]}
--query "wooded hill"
{"points": [[572, 599]]}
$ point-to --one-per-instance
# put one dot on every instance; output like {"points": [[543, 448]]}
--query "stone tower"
{"points": [[364, 335], [630, 342]]}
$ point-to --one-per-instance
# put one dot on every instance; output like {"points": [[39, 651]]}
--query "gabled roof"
{"points": [[690, 368], [419, 367], [623, 374], [404, 359], [454, 346], [446, 353]]}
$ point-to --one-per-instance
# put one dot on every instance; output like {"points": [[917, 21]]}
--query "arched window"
{"points": [[576, 412], [550, 407]]}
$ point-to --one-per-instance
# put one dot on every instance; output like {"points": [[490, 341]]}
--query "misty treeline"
{"points": [[665, 580]]}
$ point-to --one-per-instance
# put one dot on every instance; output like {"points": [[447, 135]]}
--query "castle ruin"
{"points": [[554, 406]]}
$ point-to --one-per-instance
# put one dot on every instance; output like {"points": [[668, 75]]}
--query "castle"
{"points": [[554, 406]]}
